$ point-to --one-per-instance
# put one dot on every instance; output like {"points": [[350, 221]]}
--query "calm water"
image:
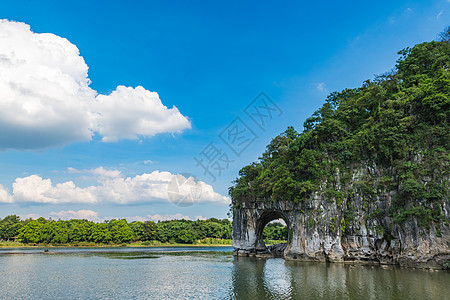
{"points": [[200, 273]]}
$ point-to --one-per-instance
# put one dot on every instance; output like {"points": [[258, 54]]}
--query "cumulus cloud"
{"points": [[44, 89], [35, 189], [5, 197], [155, 185], [104, 173], [80, 214], [140, 188], [128, 113], [67, 215], [168, 217], [157, 218], [46, 101], [112, 187]]}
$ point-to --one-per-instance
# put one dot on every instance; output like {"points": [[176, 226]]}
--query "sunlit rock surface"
{"points": [[320, 230]]}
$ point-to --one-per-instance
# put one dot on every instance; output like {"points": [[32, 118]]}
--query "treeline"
{"points": [[112, 231], [275, 231], [42, 231]]}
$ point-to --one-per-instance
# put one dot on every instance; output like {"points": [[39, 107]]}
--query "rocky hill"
{"points": [[368, 178]]}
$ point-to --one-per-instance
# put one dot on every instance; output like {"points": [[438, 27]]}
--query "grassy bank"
{"points": [[4, 244]]}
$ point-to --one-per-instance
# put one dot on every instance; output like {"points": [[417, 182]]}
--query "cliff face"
{"points": [[323, 229]]}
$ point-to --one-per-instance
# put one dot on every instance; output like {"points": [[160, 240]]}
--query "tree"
{"points": [[80, 231], [100, 233], [275, 231], [137, 231], [9, 227], [148, 231], [30, 233], [120, 231]]}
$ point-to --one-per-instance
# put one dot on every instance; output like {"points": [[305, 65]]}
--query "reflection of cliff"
{"points": [[274, 279], [362, 282], [247, 279], [262, 279], [368, 178]]}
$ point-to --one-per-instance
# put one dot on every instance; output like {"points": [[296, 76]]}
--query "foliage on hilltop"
{"points": [[396, 125]]}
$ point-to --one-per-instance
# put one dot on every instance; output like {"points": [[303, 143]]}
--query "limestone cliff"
{"points": [[368, 177], [323, 230]]}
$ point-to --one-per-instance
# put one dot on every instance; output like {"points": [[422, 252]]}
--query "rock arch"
{"points": [[266, 217], [249, 222], [321, 230]]}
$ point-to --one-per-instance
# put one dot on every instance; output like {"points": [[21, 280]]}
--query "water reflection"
{"points": [[246, 278], [278, 279], [149, 274]]}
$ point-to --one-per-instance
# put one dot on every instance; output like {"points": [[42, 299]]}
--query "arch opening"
{"points": [[272, 226], [275, 232]]}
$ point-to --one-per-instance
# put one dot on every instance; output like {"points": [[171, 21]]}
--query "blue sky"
{"points": [[210, 60]]}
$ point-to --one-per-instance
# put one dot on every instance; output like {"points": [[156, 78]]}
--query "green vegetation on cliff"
{"points": [[395, 127]]}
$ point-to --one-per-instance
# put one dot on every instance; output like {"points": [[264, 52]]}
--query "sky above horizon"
{"points": [[104, 103]]}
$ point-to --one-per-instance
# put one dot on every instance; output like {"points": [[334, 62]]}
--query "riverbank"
{"points": [[94, 245]]}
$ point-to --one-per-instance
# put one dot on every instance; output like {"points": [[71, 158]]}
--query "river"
{"points": [[201, 273]]}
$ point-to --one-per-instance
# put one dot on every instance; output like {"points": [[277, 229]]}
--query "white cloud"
{"points": [[113, 187], [137, 218], [104, 173], [128, 113], [141, 188], [321, 86], [67, 215], [46, 101], [71, 170], [283, 222], [35, 189], [5, 197], [439, 14], [33, 216], [44, 89], [150, 186], [157, 218], [80, 214], [168, 217]]}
